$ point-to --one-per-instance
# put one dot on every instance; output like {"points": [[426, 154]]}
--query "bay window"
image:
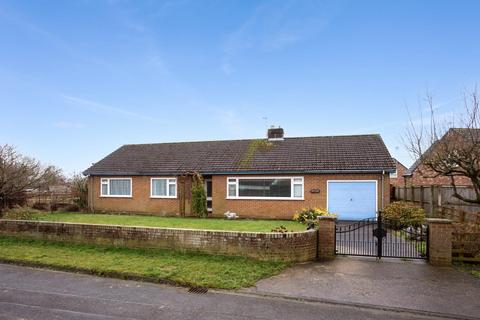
{"points": [[116, 187], [282, 188]]}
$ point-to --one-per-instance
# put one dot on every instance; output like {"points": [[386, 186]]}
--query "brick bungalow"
{"points": [[259, 178]]}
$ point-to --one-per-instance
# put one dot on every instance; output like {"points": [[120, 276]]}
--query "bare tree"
{"points": [[450, 152], [79, 185], [18, 173]]}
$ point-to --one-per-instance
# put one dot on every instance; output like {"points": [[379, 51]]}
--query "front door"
{"points": [[208, 190]]}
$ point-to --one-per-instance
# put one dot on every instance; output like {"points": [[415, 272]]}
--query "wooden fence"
{"points": [[48, 198], [438, 202]]}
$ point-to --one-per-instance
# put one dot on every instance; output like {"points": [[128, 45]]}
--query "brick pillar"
{"points": [[440, 241], [326, 238]]}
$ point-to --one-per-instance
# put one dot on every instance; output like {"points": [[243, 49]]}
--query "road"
{"points": [[28, 293]]}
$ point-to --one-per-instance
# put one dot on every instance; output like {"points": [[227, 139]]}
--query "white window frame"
{"points": [[168, 196], [394, 175], [237, 197], [108, 188]]}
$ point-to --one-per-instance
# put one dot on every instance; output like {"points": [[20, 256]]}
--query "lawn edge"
{"points": [[164, 228], [123, 275], [103, 274]]}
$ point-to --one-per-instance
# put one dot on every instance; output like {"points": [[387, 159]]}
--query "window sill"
{"points": [[162, 197], [261, 198], [115, 196]]}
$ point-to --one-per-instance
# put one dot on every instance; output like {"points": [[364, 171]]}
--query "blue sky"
{"points": [[80, 78]]}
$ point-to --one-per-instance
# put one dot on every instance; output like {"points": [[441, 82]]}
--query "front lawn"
{"points": [[167, 222], [189, 269]]}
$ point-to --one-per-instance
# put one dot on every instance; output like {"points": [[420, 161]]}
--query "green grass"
{"points": [[472, 268], [420, 246], [188, 269], [167, 222]]}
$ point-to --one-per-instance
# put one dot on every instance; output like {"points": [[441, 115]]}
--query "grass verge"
{"points": [[154, 265], [171, 222]]}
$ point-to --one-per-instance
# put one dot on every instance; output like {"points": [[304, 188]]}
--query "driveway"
{"points": [[27, 293], [388, 282]]}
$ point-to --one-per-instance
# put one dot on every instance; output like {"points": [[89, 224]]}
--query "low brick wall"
{"points": [[294, 246]]}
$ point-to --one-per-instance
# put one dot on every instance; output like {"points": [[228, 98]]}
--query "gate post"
{"points": [[326, 238], [439, 241]]}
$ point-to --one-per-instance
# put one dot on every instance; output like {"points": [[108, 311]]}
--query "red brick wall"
{"points": [[140, 202], [424, 177], [293, 246], [399, 181], [284, 209]]}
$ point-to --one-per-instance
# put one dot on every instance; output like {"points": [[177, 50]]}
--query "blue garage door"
{"points": [[354, 200]]}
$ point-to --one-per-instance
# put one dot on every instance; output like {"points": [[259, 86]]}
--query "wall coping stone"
{"points": [[205, 231], [438, 221], [326, 218]]}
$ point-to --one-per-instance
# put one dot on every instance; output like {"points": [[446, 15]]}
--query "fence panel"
{"points": [[438, 201]]}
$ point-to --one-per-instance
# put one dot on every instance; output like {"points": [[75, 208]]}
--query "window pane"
{"points": [[172, 189], [232, 190], [297, 190], [264, 188], [120, 187], [104, 189], [159, 187], [209, 188]]}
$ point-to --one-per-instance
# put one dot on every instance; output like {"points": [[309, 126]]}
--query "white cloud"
{"points": [[227, 66], [50, 37], [272, 27], [100, 107]]}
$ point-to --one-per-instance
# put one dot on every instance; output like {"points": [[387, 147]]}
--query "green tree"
{"points": [[199, 197]]}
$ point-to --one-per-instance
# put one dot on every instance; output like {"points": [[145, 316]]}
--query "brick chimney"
{"points": [[275, 134]]}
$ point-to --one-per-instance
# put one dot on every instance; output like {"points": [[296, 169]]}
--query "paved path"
{"points": [[388, 282], [27, 293]]}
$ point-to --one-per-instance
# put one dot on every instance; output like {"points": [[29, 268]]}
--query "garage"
{"points": [[352, 199]]}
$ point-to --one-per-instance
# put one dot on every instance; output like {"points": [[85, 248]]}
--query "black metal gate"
{"points": [[380, 237]]}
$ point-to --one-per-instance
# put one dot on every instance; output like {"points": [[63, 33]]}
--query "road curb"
{"points": [[348, 304]]}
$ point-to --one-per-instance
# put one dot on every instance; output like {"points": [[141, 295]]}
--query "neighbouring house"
{"points": [[396, 178], [419, 175], [258, 178]]}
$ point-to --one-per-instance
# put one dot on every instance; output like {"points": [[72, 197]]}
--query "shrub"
{"points": [[199, 198], [403, 214], [21, 213], [41, 206], [311, 214], [281, 229], [54, 206], [70, 208]]}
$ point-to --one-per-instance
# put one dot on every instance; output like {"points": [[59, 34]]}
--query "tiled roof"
{"points": [[303, 154], [470, 134]]}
